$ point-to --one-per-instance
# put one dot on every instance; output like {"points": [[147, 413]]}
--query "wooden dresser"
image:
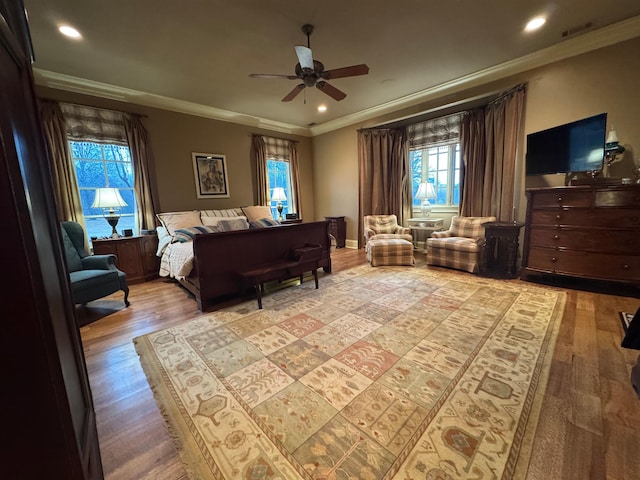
{"points": [[590, 232], [136, 256]]}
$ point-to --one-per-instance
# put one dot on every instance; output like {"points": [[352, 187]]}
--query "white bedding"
{"points": [[177, 260]]}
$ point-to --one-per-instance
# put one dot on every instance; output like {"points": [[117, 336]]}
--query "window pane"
{"points": [[119, 174], [439, 165], [90, 173], [99, 166], [279, 175]]}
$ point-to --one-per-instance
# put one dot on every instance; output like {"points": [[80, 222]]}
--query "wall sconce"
{"points": [[612, 148], [109, 200], [425, 192], [279, 196]]}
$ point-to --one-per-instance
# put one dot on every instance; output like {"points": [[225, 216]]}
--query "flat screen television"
{"points": [[574, 147]]}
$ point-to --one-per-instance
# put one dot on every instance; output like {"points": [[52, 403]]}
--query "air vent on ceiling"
{"points": [[578, 29]]}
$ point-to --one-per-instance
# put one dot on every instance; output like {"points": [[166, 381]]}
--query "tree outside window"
{"points": [[104, 165]]}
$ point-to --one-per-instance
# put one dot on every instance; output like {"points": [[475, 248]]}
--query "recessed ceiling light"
{"points": [[322, 108], [534, 24], [69, 31]]}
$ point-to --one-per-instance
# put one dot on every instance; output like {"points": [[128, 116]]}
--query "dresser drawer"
{"points": [[562, 198], [604, 217], [617, 198], [624, 242], [585, 264]]}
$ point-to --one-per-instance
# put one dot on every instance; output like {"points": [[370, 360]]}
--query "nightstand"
{"points": [[135, 256], [338, 228], [422, 228]]}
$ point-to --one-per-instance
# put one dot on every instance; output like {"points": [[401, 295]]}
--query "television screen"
{"points": [[574, 147]]}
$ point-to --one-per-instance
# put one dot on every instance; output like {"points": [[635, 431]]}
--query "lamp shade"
{"points": [[426, 190], [612, 137], [278, 195], [109, 198]]}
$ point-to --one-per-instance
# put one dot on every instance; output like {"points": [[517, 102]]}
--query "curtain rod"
{"points": [[141, 115]]}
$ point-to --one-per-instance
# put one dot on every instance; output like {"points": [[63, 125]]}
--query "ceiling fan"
{"points": [[313, 74]]}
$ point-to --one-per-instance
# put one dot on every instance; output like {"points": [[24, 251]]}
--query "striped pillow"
{"points": [[186, 234], [231, 224], [264, 222]]}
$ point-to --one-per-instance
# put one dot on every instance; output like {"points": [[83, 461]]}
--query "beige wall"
{"points": [[174, 136], [606, 80]]}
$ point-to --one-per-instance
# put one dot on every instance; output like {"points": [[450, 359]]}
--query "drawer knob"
{"points": [[625, 267], [559, 199], [554, 259], [558, 217], [556, 236]]}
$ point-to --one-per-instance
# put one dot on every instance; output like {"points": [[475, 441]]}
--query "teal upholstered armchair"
{"points": [[92, 276]]}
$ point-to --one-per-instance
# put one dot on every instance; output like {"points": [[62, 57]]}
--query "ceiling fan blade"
{"points": [[304, 56], [270, 75], [351, 71], [292, 94], [330, 90]]}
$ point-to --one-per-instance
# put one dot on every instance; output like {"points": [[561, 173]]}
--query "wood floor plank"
{"points": [[589, 425]]}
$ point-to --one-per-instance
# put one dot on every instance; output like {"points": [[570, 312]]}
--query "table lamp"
{"points": [[109, 200], [425, 192], [279, 196]]}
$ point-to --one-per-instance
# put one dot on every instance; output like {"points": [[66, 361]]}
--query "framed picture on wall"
{"points": [[210, 172]]}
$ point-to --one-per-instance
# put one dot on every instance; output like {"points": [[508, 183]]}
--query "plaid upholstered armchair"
{"points": [[461, 246], [377, 227]]}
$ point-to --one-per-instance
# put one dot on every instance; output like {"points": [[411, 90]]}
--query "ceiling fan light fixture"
{"points": [[322, 108], [313, 74], [535, 24]]}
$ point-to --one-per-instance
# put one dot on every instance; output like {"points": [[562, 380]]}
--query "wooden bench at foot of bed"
{"points": [[302, 259], [220, 258]]}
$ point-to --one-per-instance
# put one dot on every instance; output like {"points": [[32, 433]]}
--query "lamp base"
{"points": [[426, 209], [113, 221], [280, 208]]}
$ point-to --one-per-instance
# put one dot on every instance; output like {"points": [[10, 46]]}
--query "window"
{"points": [[439, 165], [104, 165], [434, 152], [279, 175]]}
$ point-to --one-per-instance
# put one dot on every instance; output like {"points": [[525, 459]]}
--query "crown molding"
{"points": [[603, 37], [69, 83]]}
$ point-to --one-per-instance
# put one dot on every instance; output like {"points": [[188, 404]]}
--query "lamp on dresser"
{"points": [[425, 192], [279, 196], [110, 200]]}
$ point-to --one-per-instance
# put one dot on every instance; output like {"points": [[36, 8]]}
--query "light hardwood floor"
{"points": [[589, 426]]}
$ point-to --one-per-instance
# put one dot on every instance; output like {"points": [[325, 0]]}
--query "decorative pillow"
{"points": [[256, 212], [264, 222], [186, 234], [230, 224], [214, 221], [229, 212], [174, 220]]}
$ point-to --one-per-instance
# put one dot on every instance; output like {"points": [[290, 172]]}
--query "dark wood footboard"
{"points": [[220, 257]]}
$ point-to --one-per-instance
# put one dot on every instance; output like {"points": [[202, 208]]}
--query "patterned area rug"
{"points": [[381, 373]]}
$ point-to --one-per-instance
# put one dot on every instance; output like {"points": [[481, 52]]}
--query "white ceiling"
{"points": [[196, 55]]}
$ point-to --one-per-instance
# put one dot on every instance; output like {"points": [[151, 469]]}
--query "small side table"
{"points": [[338, 228], [501, 250], [424, 226]]}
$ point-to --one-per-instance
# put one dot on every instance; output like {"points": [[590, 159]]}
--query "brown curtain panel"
{"points": [[260, 156], [489, 141], [65, 183], [141, 157], [384, 182], [295, 178]]}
